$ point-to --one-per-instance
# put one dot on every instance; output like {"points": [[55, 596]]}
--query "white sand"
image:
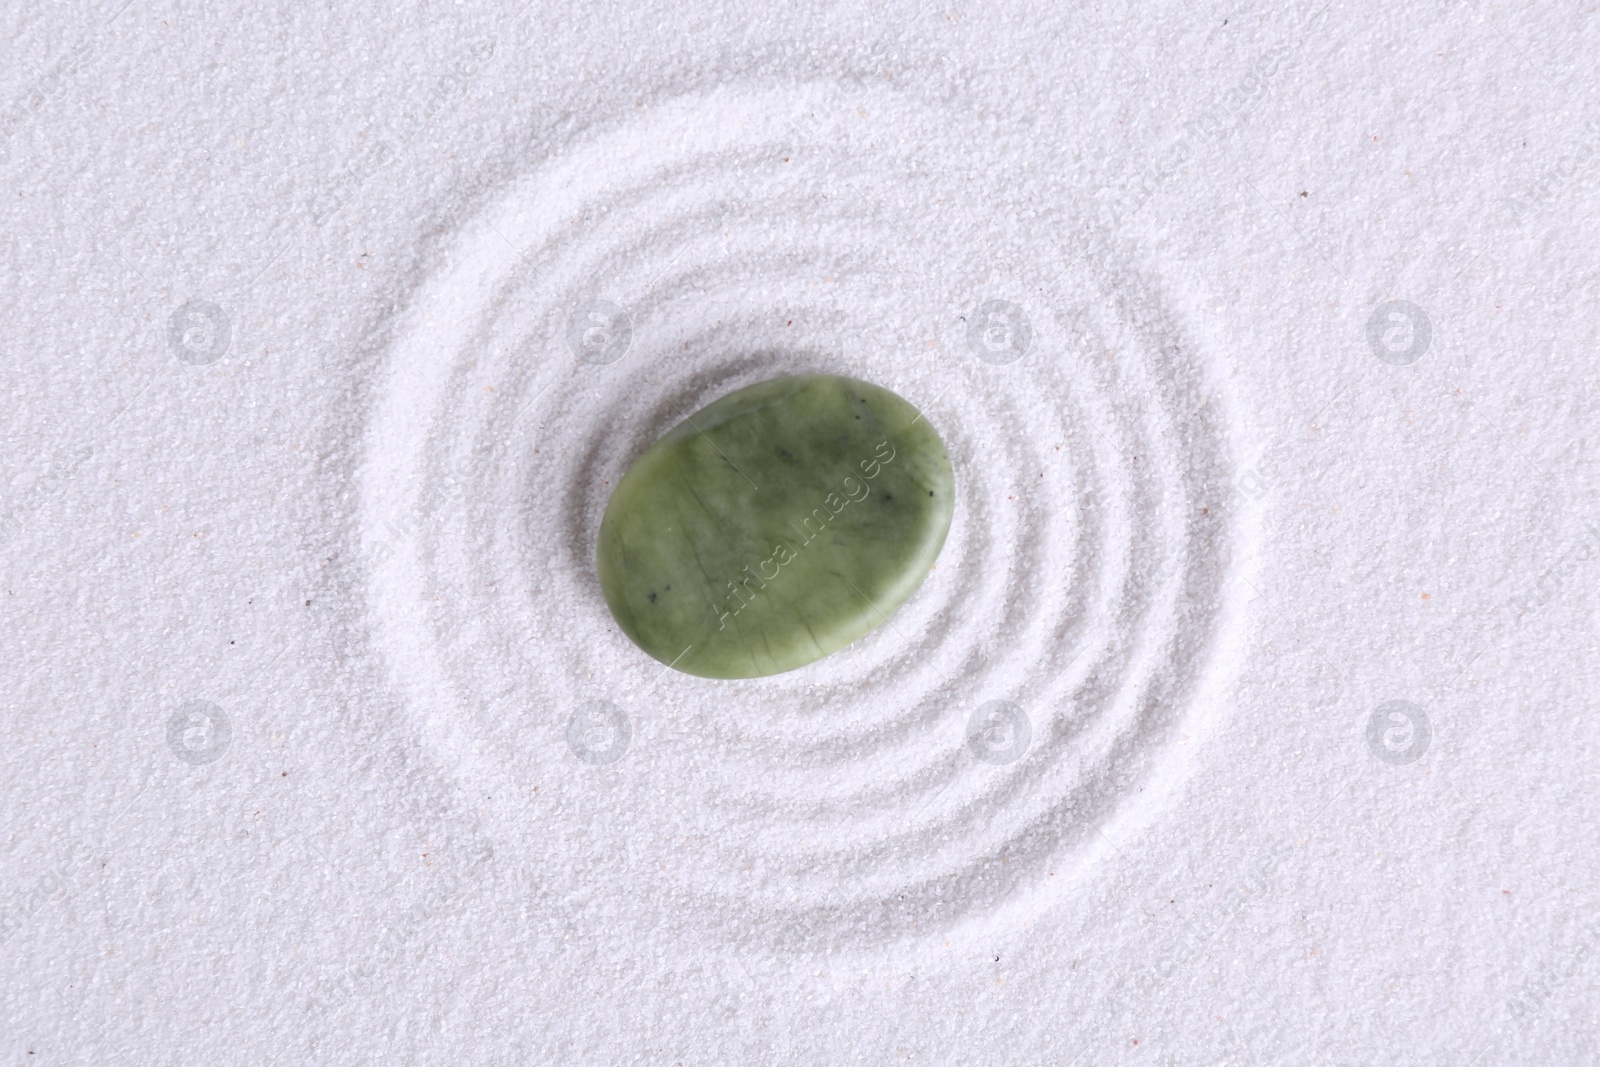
{"points": [[323, 747]]}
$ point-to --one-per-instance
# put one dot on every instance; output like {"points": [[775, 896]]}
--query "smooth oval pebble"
{"points": [[774, 526]]}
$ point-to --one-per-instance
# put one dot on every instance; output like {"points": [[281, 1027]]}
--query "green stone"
{"points": [[774, 526]]}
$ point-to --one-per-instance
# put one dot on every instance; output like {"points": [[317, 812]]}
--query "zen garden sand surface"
{"points": [[473, 594]]}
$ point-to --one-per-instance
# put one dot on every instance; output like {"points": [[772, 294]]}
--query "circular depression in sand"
{"points": [[892, 789]]}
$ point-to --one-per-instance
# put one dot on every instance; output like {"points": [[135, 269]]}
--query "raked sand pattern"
{"points": [[956, 762]]}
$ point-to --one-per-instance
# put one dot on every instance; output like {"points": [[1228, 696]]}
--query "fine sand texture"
{"points": [[1244, 718]]}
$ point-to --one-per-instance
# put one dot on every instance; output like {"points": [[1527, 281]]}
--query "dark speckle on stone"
{"points": [[650, 597], [888, 497], [930, 492]]}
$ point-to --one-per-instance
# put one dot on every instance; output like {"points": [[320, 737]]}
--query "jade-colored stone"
{"points": [[774, 526]]}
